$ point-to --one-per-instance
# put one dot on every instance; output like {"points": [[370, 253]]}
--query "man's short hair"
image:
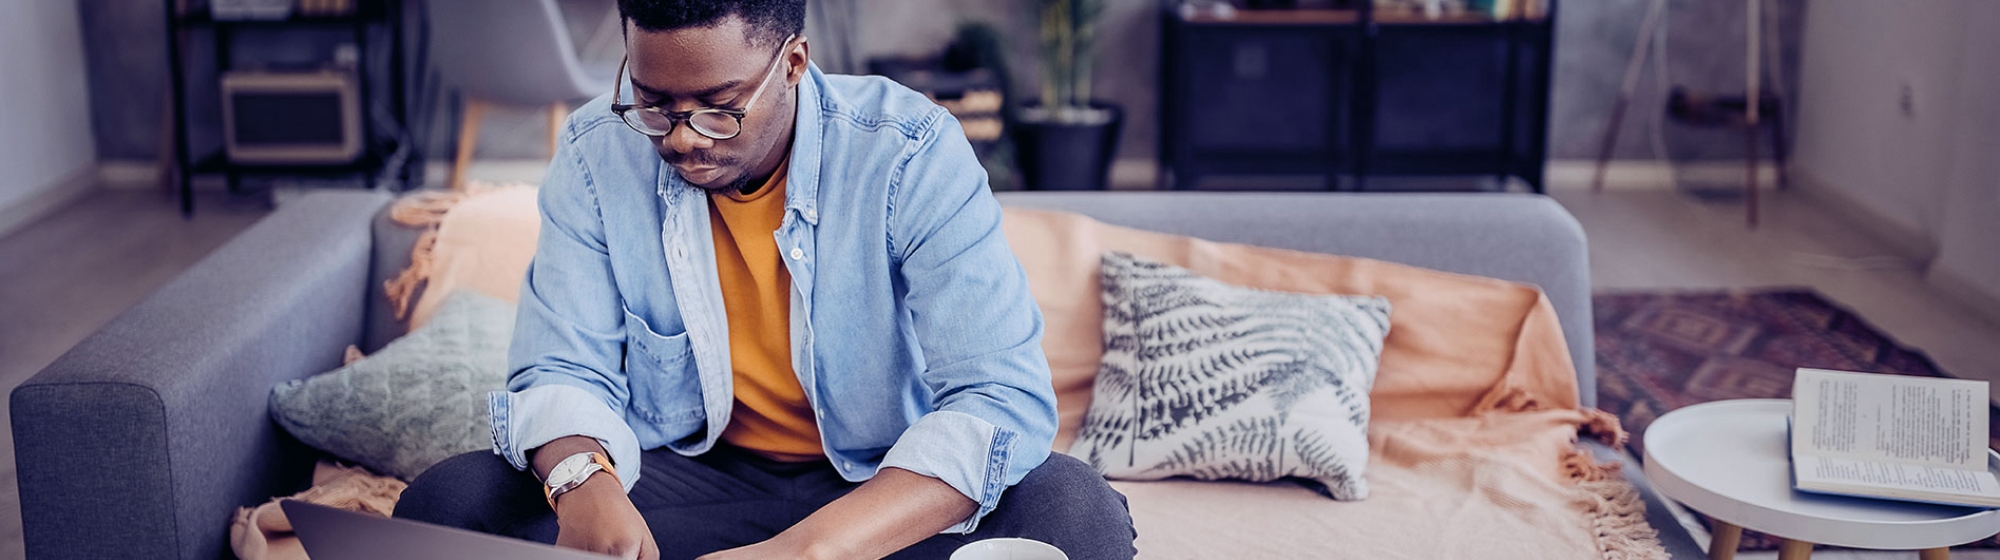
{"points": [[770, 21]]}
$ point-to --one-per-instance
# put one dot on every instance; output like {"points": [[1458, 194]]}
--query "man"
{"points": [[771, 315]]}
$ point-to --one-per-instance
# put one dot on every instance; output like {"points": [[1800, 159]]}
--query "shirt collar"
{"points": [[802, 183]]}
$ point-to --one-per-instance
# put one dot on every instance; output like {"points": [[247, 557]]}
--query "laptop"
{"points": [[337, 534]]}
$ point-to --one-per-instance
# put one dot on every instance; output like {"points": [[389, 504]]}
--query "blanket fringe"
{"points": [[1511, 398], [1578, 463], [1619, 519], [402, 290], [1605, 427], [425, 209], [265, 533], [1617, 513]]}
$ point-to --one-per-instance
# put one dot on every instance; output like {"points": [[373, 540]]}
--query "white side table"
{"points": [[1730, 460]]}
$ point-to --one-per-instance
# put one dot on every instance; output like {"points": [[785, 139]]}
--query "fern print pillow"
{"points": [[1212, 381]]}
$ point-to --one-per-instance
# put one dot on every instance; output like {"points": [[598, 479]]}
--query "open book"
{"points": [[1918, 439]]}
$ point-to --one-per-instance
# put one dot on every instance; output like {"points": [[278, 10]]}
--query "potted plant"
{"points": [[1067, 140]]}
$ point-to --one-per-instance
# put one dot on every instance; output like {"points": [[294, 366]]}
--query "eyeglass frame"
{"points": [[674, 119]]}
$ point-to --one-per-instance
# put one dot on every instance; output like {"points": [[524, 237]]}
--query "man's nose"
{"points": [[683, 139]]}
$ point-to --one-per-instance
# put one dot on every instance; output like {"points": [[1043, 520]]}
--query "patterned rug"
{"points": [[1660, 351]]}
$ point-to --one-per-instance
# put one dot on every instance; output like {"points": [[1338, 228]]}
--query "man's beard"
{"points": [[734, 186]]}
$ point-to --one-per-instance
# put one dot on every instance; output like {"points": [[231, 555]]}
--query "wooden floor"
{"points": [[1661, 240], [66, 275]]}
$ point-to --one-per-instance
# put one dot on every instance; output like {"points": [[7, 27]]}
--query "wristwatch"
{"points": [[572, 471]]}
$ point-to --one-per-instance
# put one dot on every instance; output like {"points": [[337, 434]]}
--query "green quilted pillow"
{"points": [[417, 402]]}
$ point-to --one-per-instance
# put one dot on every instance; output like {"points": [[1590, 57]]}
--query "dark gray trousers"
{"points": [[728, 498]]}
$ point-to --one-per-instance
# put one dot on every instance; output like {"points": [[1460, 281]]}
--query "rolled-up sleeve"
{"points": [[994, 415], [567, 354]]}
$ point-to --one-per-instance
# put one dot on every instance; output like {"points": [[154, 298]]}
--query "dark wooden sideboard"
{"points": [[1338, 98]]}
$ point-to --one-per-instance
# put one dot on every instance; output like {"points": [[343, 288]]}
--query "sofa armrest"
{"points": [[141, 440]]}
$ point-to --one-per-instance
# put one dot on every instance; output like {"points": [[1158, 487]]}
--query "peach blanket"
{"points": [[480, 239], [1472, 435]]}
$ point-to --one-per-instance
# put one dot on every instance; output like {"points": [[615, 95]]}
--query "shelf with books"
{"points": [[1464, 18], [1461, 12], [1272, 17]]}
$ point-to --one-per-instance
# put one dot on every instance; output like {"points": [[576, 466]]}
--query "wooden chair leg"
{"points": [[1752, 103], [1723, 544], [1934, 554], [468, 137], [164, 165], [1751, 163], [1794, 550], [557, 112], [1778, 153]]}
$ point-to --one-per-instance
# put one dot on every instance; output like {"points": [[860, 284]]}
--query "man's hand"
{"points": [[599, 517], [779, 548], [894, 510]]}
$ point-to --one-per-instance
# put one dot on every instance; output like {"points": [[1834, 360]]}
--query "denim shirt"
{"points": [[912, 329]]}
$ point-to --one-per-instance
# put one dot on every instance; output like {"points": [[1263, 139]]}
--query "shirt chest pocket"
{"points": [[666, 388]]}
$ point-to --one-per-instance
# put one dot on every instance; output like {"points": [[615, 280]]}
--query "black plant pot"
{"points": [[1064, 156]]}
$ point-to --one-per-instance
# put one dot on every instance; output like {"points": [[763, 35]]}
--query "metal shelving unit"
{"points": [[380, 148]]}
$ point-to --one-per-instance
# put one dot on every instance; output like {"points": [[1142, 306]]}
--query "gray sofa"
{"points": [[142, 440]]}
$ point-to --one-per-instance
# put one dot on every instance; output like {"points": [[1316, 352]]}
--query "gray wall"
{"points": [[1929, 168], [46, 124], [1595, 37], [125, 53]]}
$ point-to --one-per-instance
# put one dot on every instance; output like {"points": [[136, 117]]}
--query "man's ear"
{"points": [[796, 61]]}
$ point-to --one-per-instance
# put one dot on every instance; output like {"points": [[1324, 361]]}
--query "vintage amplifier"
{"points": [[291, 118]]}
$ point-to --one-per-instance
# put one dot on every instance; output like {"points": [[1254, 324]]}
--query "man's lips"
{"points": [[698, 174]]}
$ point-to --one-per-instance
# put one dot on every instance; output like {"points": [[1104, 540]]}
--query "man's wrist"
{"points": [[573, 471], [810, 547], [599, 485], [542, 459]]}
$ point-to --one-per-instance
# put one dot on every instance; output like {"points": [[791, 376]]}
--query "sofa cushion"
{"points": [[418, 401], [1213, 381]]}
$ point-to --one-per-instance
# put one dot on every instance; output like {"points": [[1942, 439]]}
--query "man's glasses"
{"points": [[714, 123]]}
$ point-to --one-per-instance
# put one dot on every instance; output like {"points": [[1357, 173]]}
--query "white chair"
{"points": [[511, 52]]}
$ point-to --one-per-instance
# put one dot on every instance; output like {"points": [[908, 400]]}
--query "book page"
{"points": [[1895, 418], [1819, 471]]}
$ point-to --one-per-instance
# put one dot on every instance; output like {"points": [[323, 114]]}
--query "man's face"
{"points": [[716, 67]]}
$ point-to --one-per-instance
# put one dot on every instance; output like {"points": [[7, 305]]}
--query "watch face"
{"points": [[567, 469]]}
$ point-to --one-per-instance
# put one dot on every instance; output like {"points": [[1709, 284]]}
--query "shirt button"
{"points": [[812, 214], [846, 466], [798, 254]]}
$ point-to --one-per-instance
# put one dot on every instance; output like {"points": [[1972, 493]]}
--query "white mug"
{"points": [[1009, 549]]}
